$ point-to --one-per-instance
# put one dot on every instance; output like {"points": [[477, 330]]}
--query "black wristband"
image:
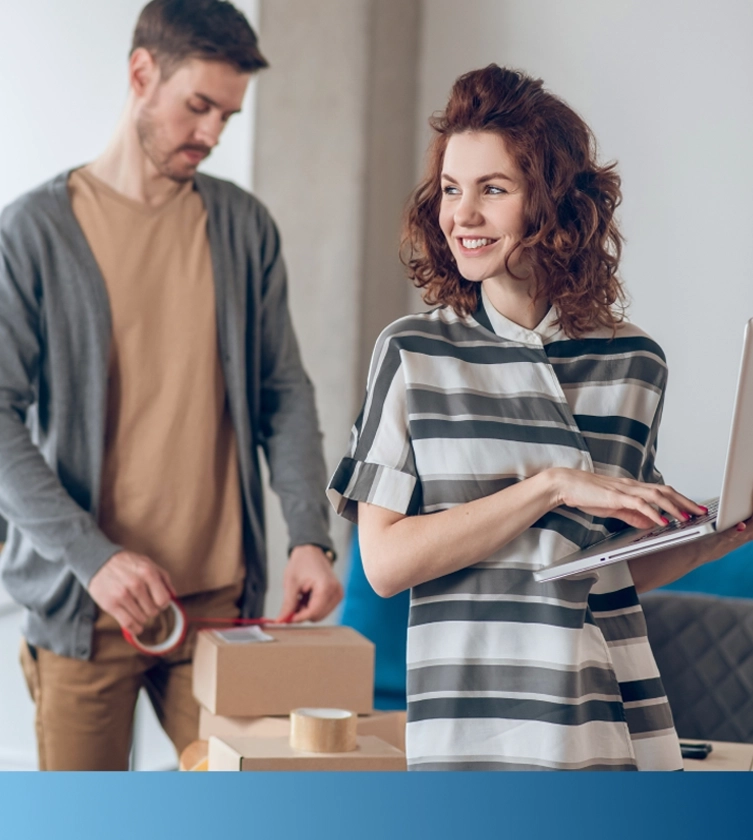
{"points": [[328, 552]]}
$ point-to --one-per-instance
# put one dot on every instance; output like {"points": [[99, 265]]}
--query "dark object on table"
{"points": [[699, 751]]}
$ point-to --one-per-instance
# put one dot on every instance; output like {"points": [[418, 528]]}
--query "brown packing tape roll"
{"points": [[323, 730]]}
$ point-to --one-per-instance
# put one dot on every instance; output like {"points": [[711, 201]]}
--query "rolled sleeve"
{"points": [[380, 466], [358, 481]]}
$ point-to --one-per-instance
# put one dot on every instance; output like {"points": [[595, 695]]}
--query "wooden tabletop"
{"points": [[725, 755]]}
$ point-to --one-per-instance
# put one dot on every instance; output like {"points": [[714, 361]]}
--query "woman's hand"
{"points": [[662, 567], [634, 502]]}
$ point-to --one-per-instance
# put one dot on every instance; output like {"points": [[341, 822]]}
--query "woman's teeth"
{"points": [[471, 244]]}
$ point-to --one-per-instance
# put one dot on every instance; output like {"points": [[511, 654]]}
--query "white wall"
{"points": [[62, 85], [666, 88]]}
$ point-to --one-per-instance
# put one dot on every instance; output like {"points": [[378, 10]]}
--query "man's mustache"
{"points": [[189, 147]]}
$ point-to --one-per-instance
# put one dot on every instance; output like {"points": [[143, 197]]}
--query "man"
{"points": [[146, 352]]}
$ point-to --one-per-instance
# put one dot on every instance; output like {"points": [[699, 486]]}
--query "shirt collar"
{"points": [[544, 331]]}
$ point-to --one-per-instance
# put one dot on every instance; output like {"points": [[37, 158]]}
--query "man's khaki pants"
{"points": [[84, 709]]}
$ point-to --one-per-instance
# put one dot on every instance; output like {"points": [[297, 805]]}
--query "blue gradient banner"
{"points": [[362, 806]]}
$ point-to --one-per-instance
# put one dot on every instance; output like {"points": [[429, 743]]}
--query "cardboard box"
{"points": [[302, 666], [277, 754], [389, 726]]}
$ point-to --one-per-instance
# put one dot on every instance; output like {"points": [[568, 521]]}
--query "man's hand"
{"points": [[309, 578], [132, 589]]}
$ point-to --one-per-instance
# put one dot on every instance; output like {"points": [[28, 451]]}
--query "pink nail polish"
{"points": [[703, 508], [665, 520], [684, 515]]}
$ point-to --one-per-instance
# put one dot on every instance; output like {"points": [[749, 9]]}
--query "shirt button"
{"points": [[82, 651]]}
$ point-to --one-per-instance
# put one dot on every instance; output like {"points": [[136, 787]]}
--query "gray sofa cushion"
{"points": [[703, 646]]}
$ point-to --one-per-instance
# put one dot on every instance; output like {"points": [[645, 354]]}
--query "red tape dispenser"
{"points": [[177, 622]]}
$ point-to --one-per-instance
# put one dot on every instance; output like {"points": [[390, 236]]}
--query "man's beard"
{"points": [[166, 163]]}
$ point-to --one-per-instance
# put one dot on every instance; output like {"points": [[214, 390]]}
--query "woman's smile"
{"points": [[481, 213], [475, 246]]}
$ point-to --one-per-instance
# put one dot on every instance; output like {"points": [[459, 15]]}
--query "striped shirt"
{"points": [[505, 672]]}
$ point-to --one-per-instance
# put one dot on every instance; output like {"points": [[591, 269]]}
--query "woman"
{"points": [[514, 423]]}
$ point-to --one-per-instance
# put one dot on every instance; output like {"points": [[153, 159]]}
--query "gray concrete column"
{"points": [[334, 156]]}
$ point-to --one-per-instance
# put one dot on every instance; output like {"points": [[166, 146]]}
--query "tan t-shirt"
{"points": [[170, 484]]}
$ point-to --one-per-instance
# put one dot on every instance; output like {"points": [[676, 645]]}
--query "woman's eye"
{"points": [[491, 190], [197, 109], [450, 190]]}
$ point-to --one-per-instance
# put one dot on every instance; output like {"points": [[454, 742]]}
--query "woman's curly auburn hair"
{"points": [[571, 239]]}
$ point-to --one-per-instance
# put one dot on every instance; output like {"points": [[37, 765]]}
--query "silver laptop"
{"points": [[734, 505]]}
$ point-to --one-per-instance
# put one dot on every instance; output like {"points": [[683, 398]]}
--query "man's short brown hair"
{"points": [[174, 31]]}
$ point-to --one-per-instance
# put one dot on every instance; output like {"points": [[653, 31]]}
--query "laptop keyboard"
{"points": [[678, 525]]}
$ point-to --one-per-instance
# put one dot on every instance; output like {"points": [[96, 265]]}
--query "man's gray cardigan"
{"points": [[55, 333]]}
